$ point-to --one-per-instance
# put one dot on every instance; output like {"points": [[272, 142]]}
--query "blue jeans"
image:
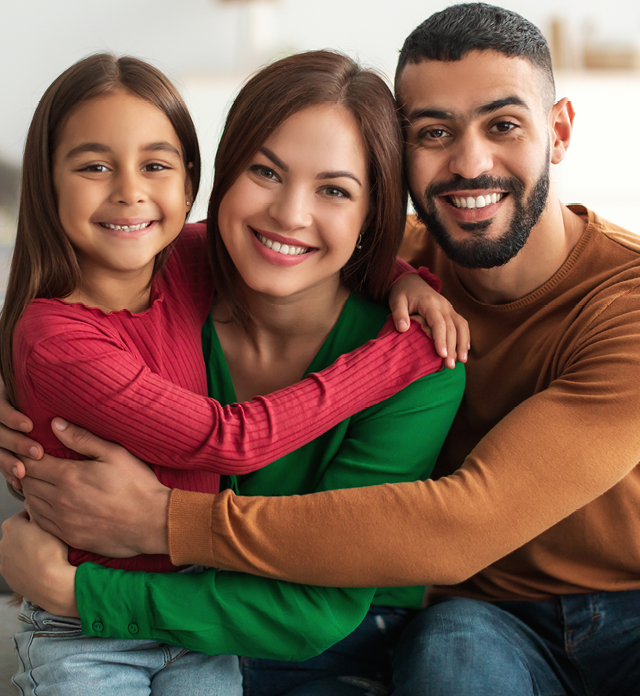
{"points": [[573, 645], [359, 665], [55, 659]]}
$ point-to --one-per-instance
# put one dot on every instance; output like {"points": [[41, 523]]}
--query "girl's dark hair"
{"points": [[269, 98], [44, 263]]}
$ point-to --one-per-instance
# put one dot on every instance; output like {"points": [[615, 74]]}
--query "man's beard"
{"points": [[479, 251]]}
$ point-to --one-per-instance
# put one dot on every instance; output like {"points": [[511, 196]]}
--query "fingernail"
{"points": [[24, 427], [14, 471], [60, 424], [34, 452], [444, 353], [402, 324]]}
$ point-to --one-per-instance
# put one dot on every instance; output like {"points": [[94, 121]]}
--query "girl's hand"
{"points": [[34, 563], [12, 441], [411, 295], [112, 505]]}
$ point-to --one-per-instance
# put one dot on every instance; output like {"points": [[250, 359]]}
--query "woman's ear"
{"points": [[561, 124]]}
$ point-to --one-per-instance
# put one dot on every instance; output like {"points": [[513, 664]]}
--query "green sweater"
{"points": [[218, 612]]}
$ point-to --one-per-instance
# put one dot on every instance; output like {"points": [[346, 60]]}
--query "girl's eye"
{"points": [[155, 167], [335, 192], [98, 168], [264, 172]]}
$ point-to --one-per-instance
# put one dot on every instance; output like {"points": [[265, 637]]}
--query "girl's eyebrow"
{"points": [[161, 145]]}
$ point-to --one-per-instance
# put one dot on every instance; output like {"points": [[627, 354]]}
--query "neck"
{"points": [[551, 241], [111, 291]]}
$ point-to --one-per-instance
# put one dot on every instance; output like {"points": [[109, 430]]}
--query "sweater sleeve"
{"points": [[551, 455], [165, 424], [218, 612]]}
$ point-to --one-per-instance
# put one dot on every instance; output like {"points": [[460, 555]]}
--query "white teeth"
{"points": [[478, 202], [125, 228], [286, 249]]}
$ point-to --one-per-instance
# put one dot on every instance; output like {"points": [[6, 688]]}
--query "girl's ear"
{"points": [[188, 186]]}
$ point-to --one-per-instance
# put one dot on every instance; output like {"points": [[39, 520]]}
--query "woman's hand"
{"points": [[112, 504], [34, 563], [12, 441], [411, 295]]}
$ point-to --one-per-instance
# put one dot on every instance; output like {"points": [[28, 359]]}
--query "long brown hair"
{"points": [[270, 97], [44, 263]]}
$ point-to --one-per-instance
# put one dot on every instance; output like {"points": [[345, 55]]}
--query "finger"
{"points": [[400, 312], [439, 332], [11, 417], [80, 440], [16, 442], [451, 339], [11, 468], [463, 338]]}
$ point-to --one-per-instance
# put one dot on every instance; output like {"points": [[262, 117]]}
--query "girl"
{"points": [[304, 220]]}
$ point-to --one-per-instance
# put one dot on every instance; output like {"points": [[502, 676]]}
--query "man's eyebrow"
{"points": [[496, 105], [499, 104], [338, 174], [274, 158], [417, 114]]}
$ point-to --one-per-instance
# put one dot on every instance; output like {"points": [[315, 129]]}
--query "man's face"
{"points": [[478, 152]]}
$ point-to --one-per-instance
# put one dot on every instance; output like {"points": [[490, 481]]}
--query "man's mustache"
{"points": [[509, 184]]}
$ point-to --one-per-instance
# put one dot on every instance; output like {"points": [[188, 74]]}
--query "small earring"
{"points": [[359, 241], [188, 202]]}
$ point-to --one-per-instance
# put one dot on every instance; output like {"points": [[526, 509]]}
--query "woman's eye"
{"points": [[335, 192], [264, 172]]}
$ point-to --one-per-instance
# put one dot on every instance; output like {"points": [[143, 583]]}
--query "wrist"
{"points": [[61, 597], [155, 537]]}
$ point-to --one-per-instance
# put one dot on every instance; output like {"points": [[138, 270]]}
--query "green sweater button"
{"points": [[133, 628], [97, 626]]}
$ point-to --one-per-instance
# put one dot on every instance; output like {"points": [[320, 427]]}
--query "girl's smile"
{"points": [[120, 182]]}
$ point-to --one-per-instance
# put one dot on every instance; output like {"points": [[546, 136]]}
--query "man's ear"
{"points": [[561, 124]]}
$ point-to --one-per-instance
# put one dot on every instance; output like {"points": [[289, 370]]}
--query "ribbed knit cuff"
{"points": [[189, 527]]}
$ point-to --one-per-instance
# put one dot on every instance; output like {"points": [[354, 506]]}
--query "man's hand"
{"points": [[34, 563], [450, 331], [112, 505], [12, 441]]}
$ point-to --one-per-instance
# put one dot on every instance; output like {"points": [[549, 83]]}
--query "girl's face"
{"points": [[291, 220], [121, 183]]}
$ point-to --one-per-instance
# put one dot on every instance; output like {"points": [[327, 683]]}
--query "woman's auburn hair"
{"points": [[268, 99], [44, 262]]}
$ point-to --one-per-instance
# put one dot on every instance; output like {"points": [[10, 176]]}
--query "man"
{"points": [[530, 536]]}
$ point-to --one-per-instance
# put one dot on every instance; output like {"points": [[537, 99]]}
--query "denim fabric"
{"points": [[573, 645], [55, 659], [359, 665]]}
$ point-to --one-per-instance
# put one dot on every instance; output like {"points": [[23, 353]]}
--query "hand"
{"points": [[112, 505], [411, 295], [12, 425], [34, 563]]}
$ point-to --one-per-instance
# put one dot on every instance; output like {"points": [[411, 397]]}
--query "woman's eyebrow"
{"points": [[338, 174], [274, 158]]}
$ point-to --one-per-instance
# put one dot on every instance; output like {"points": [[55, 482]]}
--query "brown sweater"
{"points": [[543, 491]]}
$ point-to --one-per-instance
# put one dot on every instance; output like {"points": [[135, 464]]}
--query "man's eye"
{"points": [[433, 134], [503, 127], [264, 172]]}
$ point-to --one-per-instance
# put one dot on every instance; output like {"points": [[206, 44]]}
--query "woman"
{"points": [[305, 217]]}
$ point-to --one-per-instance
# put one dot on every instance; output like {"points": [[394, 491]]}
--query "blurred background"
{"points": [[209, 47]]}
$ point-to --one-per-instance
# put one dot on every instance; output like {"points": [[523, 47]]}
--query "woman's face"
{"points": [[291, 220]]}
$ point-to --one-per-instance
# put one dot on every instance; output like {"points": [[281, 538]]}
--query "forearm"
{"points": [[218, 612], [426, 532]]}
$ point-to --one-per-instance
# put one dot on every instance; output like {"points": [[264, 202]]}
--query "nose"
{"points": [[291, 208], [128, 187], [471, 156]]}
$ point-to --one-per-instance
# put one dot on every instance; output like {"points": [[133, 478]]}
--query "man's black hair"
{"points": [[452, 33]]}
